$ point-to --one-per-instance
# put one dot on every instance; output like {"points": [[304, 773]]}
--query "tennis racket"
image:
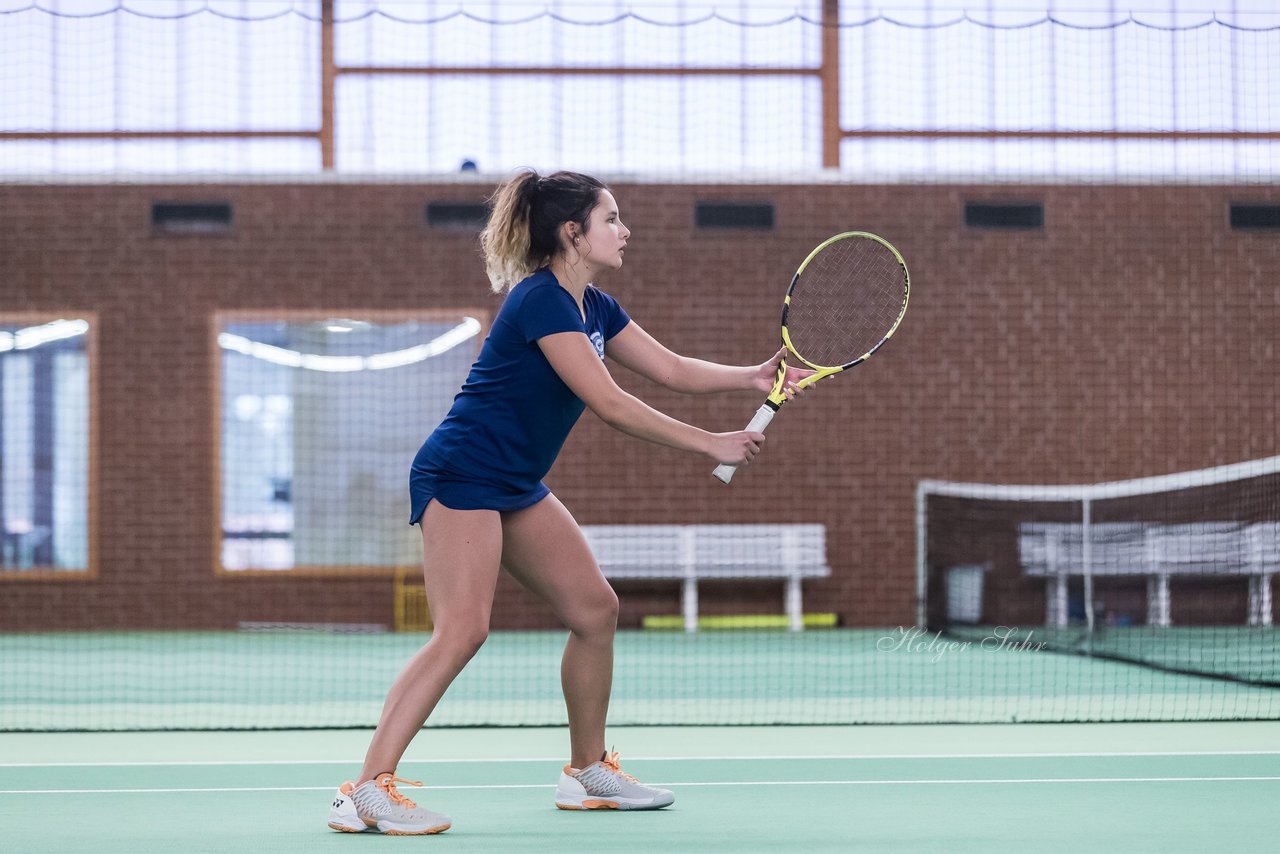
{"points": [[843, 304]]}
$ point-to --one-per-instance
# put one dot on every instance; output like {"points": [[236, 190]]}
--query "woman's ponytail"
{"points": [[505, 240], [523, 230]]}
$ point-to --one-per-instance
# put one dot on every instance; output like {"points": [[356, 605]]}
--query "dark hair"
{"points": [[523, 230]]}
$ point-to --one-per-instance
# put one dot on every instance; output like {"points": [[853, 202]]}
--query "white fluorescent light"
{"points": [[30, 337], [467, 329]]}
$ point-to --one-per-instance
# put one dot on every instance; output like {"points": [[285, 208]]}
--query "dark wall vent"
{"points": [[191, 217], [461, 216], [1251, 216], [757, 216], [1022, 215]]}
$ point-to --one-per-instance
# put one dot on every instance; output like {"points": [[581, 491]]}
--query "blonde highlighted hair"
{"points": [[522, 233]]}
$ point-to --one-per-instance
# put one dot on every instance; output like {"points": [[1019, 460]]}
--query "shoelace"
{"points": [[387, 783], [614, 764]]}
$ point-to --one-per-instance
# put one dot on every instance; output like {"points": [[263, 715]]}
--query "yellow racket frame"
{"points": [[778, 396]]}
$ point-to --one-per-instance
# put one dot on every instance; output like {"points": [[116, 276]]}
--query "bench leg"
{"points": [[793, 605], [1055, 605], [689, 604], [1260, 600], [1158, 610]]}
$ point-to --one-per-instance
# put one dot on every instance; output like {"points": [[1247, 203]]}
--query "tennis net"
{"points": [[294, 678], [1173, 573], [1139, 600]]}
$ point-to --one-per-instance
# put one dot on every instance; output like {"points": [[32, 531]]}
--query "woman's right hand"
{"points": [[736, 448]]}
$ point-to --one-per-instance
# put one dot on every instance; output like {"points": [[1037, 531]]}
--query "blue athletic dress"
{"points": [[511, 418]]}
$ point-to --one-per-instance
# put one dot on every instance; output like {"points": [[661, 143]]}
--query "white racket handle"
{"points": [[724, 471]]}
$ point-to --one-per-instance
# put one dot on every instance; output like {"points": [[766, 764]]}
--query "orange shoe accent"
{"points": [[612, 762], [344, 829], [386, 781], [591, 804], [440, 828]]}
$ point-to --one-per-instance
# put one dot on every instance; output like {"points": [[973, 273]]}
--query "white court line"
{"points": [[678, 785], [560, 759]]}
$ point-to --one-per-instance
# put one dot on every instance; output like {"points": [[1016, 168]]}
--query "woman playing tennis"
{"points": [[476, 485]]}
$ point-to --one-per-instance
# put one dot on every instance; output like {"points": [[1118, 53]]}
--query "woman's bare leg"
{"points": [[543, 548], [461, 552]]}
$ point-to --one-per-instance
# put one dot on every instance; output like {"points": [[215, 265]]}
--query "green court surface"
{"points": [[310, 679], [1132, 787]]}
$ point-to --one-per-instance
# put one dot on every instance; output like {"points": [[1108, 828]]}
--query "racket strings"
{"points": [[848, 297]]}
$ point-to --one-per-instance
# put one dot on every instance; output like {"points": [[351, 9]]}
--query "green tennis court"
{"points": [[1202, 778], [1103, 787], [1010, 587], [323, 677]]}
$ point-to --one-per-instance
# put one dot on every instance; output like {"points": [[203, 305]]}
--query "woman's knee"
{"points": [[461, 637], [597, 617]]}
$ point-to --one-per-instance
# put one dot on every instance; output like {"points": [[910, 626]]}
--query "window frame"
{"points": [[217, 322], [90, 572]]}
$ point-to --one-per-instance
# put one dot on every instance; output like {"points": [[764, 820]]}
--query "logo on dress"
{"points": [[598, 340]]}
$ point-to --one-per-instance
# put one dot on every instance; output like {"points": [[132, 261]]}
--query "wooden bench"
{"points": [[1055, 551], [693, 553]]}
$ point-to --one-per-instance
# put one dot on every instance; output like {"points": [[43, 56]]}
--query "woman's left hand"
{"points": [[764, 376]]}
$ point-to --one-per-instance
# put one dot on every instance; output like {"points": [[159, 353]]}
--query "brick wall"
{"points": [[1134, 335]]}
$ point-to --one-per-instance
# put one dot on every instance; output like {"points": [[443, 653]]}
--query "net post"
{"points": [[922, 586], [1086, 558]]}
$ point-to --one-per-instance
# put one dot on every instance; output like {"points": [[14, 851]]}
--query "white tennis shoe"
{"points": [[377, 805], [604, 785]]}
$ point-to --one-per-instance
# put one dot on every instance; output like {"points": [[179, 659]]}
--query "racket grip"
{"points": [[724, 471]]}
